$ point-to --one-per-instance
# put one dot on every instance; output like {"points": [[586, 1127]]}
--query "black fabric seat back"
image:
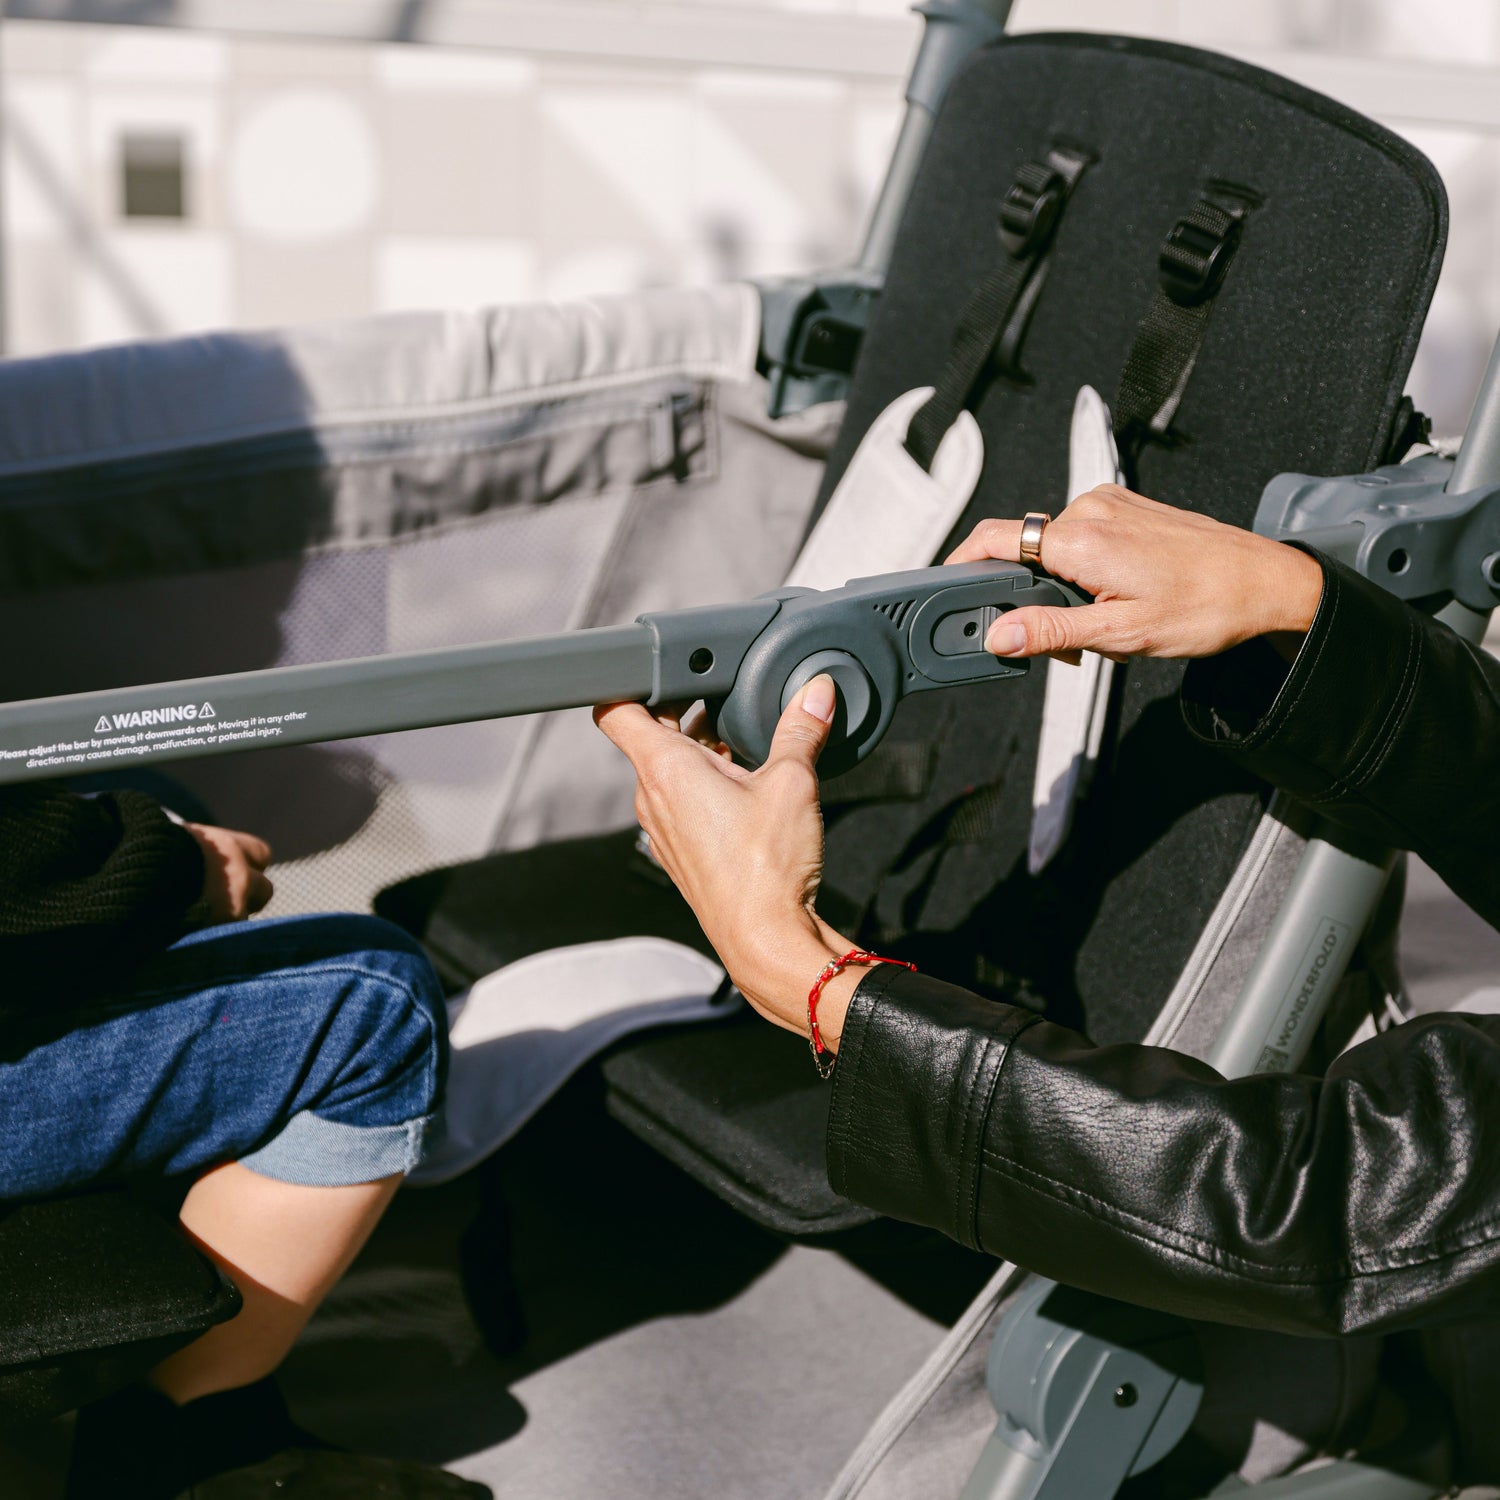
{"points": [[1301, 369]]}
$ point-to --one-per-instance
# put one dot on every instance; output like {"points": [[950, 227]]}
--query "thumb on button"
{"points": [[803, 728], [820, 698]]}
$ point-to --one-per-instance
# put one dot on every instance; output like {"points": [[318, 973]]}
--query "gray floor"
{"points": [[762, 1396], [671, 1351]]}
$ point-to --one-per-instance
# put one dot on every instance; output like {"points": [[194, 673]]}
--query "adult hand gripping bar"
{"points": [[878, 638]]}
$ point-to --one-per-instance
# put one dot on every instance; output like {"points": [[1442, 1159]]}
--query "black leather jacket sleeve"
{"points": [[1366, 1199], [1387, 722]]}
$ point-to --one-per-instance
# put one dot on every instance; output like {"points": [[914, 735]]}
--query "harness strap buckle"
{"points": [[1029, 210], [1197, 250]]}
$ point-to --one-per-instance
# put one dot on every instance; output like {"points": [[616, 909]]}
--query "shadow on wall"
{"points": [[131, 553]]}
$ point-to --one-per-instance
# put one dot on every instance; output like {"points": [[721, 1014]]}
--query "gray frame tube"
{"points": [[1323, 915], [113, 728], [1477, 464], [1478, 461], [954, 29], [1335, 891]]}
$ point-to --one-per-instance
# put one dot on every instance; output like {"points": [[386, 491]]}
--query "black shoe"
{"points": [[237, 1445], [325, 1474], [129, 1446]]}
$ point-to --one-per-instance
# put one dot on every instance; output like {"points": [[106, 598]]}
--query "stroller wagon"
{"points": [[1188, 236]]}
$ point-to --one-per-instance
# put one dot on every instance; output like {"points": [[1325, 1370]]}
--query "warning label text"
{"points": [[178, 730]]}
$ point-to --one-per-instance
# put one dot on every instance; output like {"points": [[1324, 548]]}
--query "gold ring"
{"points": [[1033, 525]]}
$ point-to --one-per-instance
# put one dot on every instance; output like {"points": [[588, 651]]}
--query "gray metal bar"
{"points": [[1335, 891], [96, 731], [1478, 461], [885, 216], [1477, 464], [877, 638], [1323, 915], [954, 29]]}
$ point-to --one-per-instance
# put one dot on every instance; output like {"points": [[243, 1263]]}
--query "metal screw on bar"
{"points": [[1125, 1395]]}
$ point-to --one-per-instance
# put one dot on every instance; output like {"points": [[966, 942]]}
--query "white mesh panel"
{"points": [[435, 793]]}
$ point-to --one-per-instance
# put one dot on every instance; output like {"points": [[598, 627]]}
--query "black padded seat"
{"points": [[478, 917], [94, 1291], [729, 1104], [1301, 369]]}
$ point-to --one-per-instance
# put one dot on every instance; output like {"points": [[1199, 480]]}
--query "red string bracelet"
{"points": [[823, 1059]]}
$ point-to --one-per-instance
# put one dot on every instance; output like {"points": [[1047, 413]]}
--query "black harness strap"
{"points": [[1028, 222], [1190, 270]]}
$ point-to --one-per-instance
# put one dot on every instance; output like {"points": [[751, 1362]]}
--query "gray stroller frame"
{"points": [[1088, 1392]]}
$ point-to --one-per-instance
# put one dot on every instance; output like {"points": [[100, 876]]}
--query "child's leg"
{"points": [[288, 1069], [283, 1245]]}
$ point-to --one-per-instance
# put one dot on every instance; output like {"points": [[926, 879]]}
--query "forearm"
{"points": [[776, 972], [1386, 721], [1361, 1201]]}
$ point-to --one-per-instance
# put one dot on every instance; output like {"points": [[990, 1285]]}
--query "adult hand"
{"points": [[234, 879], [1166, 582], [745, 848]]}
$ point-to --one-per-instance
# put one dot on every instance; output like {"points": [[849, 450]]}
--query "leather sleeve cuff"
{"points": [[919, 1066], [1311, 729]]}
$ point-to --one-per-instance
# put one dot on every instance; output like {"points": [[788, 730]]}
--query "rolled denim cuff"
{"points": [[315, 1152]]}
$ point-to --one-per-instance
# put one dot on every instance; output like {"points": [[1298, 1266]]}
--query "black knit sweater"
{"points": [[89, 886]]}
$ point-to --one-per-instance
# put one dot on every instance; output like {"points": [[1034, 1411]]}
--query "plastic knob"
{"points": [[856, 702]]}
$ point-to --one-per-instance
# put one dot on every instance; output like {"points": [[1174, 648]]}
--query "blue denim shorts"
{"points": [[311, 1049]]}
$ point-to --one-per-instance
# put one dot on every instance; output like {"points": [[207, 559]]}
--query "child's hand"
{"points": [[234, 879]]}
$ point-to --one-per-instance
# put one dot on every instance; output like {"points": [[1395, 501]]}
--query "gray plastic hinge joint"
{"points": [[1398, 526]]}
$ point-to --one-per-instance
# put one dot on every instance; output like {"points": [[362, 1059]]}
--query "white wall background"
{"points": [[330, 179]]}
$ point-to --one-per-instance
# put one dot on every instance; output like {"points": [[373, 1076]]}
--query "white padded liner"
{"points": [[1076, 705], [887, 513], [519, 1034]]}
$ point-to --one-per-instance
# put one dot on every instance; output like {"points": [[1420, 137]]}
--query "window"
{"points": [[152, 177]]}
